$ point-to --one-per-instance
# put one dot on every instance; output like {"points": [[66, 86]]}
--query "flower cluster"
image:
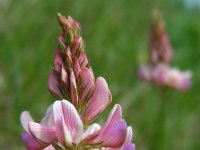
{"points": [[163, 75], [69, 121], [158, 70]]}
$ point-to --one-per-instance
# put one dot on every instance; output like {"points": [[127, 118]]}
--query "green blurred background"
{"points": [[116, 37]]}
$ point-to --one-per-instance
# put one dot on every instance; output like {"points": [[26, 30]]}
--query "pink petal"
{"points": [[129, 136], [113, 137], [43, 133], [129, 147], [53, 84], [31, 143], [76, 45], [145, 73], [49, 148], [71, 119], [48, 119], [58, 60], [64, 78], [25, 119], [90, 130], [77, 68], [87, 84], [114, 117], [62, 132], [101, 98], [83, 59], [73, 90], [69, 58]]}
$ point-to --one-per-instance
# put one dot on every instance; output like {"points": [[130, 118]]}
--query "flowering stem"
{"points": [[159, 139], [162, 119]]}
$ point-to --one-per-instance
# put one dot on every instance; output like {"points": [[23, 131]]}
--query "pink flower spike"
{"points": [[43, 133], [31, 143], [87, 83], [100, 99], [53, 84], [25, 119]]}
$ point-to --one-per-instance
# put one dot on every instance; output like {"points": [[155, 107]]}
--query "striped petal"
{"points": [[87, 84], [77, 68], [72, 122], [53, 84], [64, 77], [113, 137], [58, 60], [83, 59], [48, 119], [100, 99], [129, 136], [25, 118], [42, 133], [62, 132], [114, 117], [73, 90]]}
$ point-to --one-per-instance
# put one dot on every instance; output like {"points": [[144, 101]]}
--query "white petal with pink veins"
{"points": [[25, 119], [42, 133], [72, 121], [48, 119], [61, 129]]}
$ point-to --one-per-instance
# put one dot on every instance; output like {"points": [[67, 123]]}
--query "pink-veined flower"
{"points": [[63, 128], [165, 76]]}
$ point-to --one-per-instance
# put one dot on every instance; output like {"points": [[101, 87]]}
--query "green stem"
{"points": [[159, 139]]}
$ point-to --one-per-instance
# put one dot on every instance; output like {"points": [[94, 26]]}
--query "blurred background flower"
{"points": [[116, 37]]}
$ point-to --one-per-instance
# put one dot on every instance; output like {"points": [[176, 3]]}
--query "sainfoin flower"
{"points": [[158, 70], [165, 76], [69, 121], [62, 128]]}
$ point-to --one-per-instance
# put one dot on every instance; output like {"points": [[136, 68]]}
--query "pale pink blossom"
{"points": [[63, 127], [165, 76]]}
